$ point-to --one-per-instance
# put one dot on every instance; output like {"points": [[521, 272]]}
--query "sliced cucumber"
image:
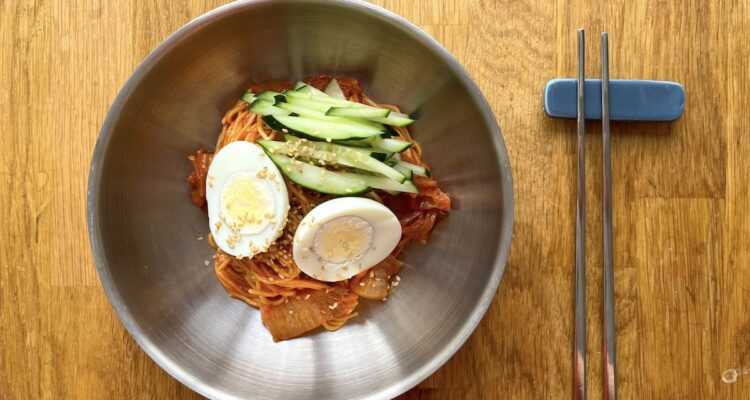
{"points": [[318, 179], [264, 107], [409, 174], [311, 113], [333, 154], [334, 90], [338, 147], [395, 119], [417, 169], [358, 112], [307, 103], [297, 149], [304, 94], [322, 130], [355, 143], [248, 97], [305, 88], [301, 110], [363, 161], [383, 183], [387, 144], [267, 95]]}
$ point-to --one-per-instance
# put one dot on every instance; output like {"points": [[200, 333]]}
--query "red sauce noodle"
{"points": [[292, 303]]}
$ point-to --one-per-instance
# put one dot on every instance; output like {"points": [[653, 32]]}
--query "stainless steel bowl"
{"points": [[144, 230]]}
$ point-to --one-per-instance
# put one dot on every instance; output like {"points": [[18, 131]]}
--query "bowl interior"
{"points": [[145, 231]]}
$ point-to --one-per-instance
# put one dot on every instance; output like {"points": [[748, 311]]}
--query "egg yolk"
{"points": [[247, 204], [343, 239]]}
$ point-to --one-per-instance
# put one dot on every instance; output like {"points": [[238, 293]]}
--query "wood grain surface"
{"points": [[681, 190]]}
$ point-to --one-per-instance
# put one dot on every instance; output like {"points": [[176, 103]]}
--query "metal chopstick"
{"points": [[610, 378], [579, 362]]}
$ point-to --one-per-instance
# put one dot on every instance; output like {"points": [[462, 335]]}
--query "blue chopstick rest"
{"points": [[629, 100]]}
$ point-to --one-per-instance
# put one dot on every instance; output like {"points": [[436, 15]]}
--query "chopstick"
{"points": [[610, 378], [579, 361]]}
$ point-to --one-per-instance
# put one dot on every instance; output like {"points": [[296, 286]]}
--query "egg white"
{"points": [[246, 160], [386, 233]]}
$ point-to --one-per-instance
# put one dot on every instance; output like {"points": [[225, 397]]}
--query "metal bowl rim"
{"points": [[102, 145]]}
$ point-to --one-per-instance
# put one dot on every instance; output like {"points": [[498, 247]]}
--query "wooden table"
{"points": [[681, 190]]}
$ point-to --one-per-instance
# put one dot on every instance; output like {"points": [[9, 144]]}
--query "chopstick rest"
{"points": [[629, 100]]}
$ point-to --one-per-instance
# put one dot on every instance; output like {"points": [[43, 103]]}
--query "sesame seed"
{"points": [[307, 296], [199, 238], [291, 312], [333, 307], [206, 263], [328, 140], [398, 278], [285, 130], [361, 284], [372, 274]]}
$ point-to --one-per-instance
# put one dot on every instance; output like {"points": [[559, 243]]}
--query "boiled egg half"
{"points": [[247, 199], [343, 237]]}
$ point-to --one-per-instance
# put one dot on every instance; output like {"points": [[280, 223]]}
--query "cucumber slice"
{"points": [[311, 113], [383, 183], [267, 95], [354, 143], [304, 94], [264, 107], [318, 179], [248, 97], [307, 103], [395, 119], [358, 112], [334, 90], [300, 110], [409, 174], [376, 154], [332, 154], [417, 169], [321, 130], [297, 149], [390, 145], [305, 88]]}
